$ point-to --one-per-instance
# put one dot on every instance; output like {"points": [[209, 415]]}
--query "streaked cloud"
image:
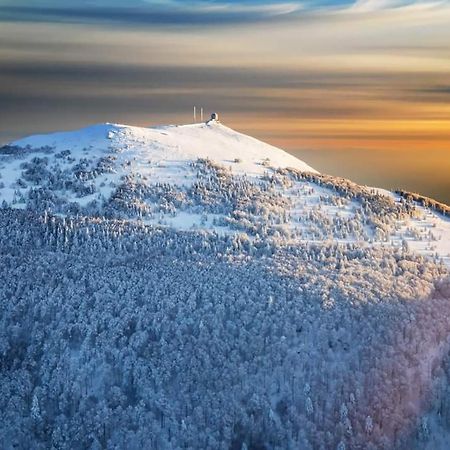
{"points": [[179, 13], [147, 12], [378, 5]]}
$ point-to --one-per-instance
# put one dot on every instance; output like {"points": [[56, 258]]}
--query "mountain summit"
{"points": [[171, 145]]}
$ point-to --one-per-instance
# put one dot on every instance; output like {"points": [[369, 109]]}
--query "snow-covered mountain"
{"points": [[206, 176], [192, 287], [171, 145]]}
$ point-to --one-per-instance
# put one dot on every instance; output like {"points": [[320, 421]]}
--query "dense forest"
{"points": [[117, 335]]}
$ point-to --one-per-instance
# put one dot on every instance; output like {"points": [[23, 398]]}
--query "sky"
{"points": [[359, 88]]}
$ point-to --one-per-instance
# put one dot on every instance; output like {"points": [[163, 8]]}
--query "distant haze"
{"points": [[423, 172], [358, 89]]}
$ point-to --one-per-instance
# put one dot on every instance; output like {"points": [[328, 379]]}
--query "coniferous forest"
{"points": [[121, 335]]}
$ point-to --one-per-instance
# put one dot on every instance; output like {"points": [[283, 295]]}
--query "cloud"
{"points": [[379, 5], [142, 13], [259, 8], [198, 13], [442, 92]]}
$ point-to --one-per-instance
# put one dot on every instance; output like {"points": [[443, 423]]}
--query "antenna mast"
{"points": [[195, 114], [201, 114]]}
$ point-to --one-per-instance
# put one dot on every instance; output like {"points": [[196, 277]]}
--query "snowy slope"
{"points": [[172, 145], [211, 177]]}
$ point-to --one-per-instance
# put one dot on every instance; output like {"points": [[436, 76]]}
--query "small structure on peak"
{"points": [[214, 118]]}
